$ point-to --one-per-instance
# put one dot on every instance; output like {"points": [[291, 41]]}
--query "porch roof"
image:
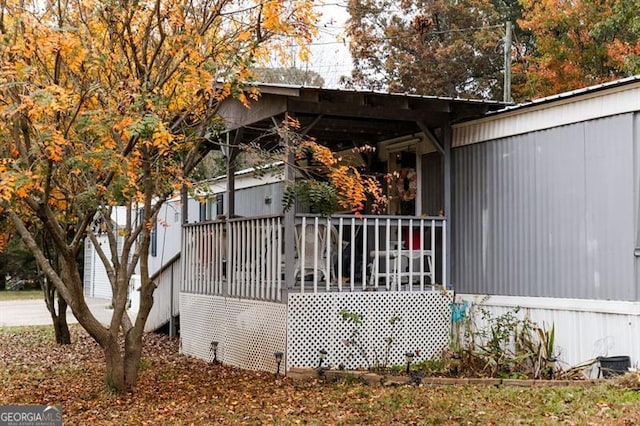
{"points": [[347, 118]]}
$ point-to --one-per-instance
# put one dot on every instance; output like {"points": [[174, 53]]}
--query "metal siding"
{"points": [[168, 235], [250, 202], [549, 213], [160, 313], [610, 237], [88, 268], [432, 183], [548, 114], [468, 257], [560, 170], [101, 284]]}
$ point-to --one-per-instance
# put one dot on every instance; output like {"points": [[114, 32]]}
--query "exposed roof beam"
{"points": [[355, 125], [236, 114], [428, 133], [311, 125], [365, 111]]}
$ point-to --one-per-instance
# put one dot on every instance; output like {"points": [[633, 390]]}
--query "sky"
{"points": [[330, 56]]}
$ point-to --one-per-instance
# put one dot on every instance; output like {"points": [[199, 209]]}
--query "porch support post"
{"points": [[184, 199], [448, 195], [289, 237], [232, 152]]}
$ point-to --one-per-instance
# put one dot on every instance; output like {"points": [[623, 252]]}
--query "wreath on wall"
{"points": [[407, 185]]}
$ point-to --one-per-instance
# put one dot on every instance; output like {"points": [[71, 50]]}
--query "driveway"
{"points": [[34, 312]]}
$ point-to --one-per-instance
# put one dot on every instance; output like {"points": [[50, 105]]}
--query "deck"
{"points": [[256, 286]]}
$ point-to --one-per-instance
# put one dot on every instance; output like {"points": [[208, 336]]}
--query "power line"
{"points": [[408, 36]]}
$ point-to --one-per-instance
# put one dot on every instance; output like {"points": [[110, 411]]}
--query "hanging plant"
{"points": [[321, 197], [328, 184]]}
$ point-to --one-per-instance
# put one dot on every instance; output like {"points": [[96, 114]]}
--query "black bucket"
{"points": [[613, 365]]}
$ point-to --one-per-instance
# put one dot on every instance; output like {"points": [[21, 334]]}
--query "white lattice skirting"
{"points": [[314, 321], [250, 332]]}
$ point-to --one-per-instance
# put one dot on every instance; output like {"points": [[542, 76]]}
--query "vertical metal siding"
{"points": [[548, 213], [610, 224], [432, 183], [252, 201], [161, 311]]}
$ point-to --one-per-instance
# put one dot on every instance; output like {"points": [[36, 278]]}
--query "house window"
{"points": [[219, 204], [154, 240], [212, 208], [203, 212], [153, 236], [140, 220]]}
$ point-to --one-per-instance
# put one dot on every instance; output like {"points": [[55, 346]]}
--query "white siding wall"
{"points": [[95, 275], [169, 232], [165, 297], [542, 114], [585, 329]]}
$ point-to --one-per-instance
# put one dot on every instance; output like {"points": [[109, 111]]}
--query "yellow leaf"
{"points": [[244, 35]]}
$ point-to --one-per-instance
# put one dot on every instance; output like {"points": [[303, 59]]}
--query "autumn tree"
{"points": [[454, 48], [5, 262], [577, 44], [114, 103], [433, 47], [56, 304]]}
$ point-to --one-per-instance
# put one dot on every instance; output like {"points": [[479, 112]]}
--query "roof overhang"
{"points": [[346, 118]]}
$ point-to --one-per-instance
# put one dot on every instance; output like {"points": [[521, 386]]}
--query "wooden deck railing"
{"points": [[237, 258], [244, 257], [348, 253], [204, 254]]}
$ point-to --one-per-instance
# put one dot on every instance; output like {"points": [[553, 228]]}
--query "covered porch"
{"points": [[261, 284], [411, 140]]}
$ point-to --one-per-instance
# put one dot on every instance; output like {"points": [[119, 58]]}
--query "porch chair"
{"points": [[401, 267], [315, 261]]}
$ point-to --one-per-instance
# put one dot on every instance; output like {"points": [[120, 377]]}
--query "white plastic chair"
{"points": [[312, 251]]}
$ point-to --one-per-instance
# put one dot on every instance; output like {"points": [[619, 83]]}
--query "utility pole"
{"points": [[507, 62]]}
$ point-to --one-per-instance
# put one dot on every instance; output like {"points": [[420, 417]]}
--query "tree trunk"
{"points": [[63, 337], [122, 368], [59, 316], [133, 354], [114, 375]]}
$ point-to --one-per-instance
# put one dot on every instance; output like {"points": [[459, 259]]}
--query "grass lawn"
{"points": [[21, 295], [175, 389]]}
